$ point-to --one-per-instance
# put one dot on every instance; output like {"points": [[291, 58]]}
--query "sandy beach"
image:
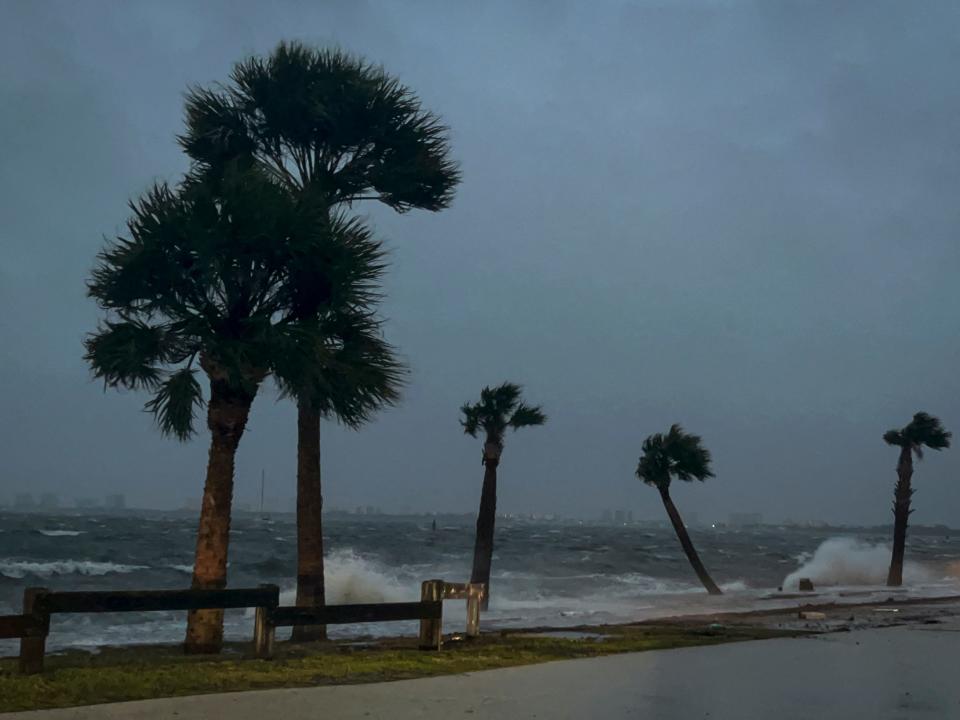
{"points": [[898, 662]]}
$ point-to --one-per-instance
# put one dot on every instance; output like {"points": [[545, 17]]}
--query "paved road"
{"points": [[897, 673]]}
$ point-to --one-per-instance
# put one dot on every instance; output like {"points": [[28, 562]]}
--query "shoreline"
{"points": [[77, 677]]}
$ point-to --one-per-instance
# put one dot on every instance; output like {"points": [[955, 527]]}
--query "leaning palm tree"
{"points": [[499, 408], [201, 279], [677, 455], [923, 430], [338, 129]]}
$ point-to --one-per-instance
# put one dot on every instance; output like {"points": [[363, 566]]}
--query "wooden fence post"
{"points": [[431, 629], [474, 592], [264, 631], [33, 648]]}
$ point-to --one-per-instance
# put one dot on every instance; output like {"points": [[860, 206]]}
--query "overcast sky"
{"points": [[739, 216]]}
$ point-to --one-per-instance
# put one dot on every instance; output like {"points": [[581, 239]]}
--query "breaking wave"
{"points": [[350, 578], [848, 561]]}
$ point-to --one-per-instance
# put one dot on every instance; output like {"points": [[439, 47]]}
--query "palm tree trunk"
{"points": [[901, 514], [687, 544], [227, 416], [486, 520], [310, 586]]}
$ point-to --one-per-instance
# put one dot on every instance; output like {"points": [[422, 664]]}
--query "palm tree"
{"points": [[340, 130], [923, 430], [681, 455], [499, 408], [356, 375], [202, 278]]}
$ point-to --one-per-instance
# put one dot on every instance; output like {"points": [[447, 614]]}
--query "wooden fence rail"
{"points": [[20, 626], [33, 626], [154, 600]]}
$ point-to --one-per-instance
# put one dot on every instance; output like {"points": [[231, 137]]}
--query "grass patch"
{"points": [[136, 673]]}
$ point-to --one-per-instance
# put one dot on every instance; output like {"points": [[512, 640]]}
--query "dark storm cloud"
{"points": [[739, 216]]}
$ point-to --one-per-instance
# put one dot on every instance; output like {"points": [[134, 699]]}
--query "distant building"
{"points": [[745, 519], [117, 501], [85, 503], [618, 517], [49, 502], [606, 516], [629, 516], [23, 501]]}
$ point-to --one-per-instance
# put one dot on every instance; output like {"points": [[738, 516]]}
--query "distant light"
{"points": [[714, 526]]}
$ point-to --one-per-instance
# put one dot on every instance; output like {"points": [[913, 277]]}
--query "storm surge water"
{"points": [[543, 574]]}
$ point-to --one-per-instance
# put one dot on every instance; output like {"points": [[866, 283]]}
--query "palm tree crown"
{"points": [[339, 362], [208, 273], [327, 121], [923, 430], [499, 408], [676, 454]]}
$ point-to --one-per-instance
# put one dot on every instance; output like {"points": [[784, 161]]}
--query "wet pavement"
{"points": [[905, 672]]}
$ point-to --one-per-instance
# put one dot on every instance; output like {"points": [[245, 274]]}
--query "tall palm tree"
{"points": [[677, 455], [499, 408], [341, 130], [923, 430], [356, 375], [202, 279]]}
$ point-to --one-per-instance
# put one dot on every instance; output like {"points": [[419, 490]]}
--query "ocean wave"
{"points": [[350, 578], [61, 533], [18, 569], [848, 561]]}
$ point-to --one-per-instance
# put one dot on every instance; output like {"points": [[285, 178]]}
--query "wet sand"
{"points": [[905, 671]]}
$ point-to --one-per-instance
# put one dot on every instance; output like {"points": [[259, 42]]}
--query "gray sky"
{"points": [[740, 216]]}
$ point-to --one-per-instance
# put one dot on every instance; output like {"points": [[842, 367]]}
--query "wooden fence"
{"points": [[33, 626]]}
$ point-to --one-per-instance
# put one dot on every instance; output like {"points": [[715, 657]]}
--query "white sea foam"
{"points": [[848, 561], [350, 578], [21, 568], [61, 533]]}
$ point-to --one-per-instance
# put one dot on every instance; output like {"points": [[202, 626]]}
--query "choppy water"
{"points": [[543, 574]]}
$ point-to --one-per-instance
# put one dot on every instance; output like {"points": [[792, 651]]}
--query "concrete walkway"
{"points": [[894, 673]]}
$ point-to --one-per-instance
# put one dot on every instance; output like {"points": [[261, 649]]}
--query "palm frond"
{"points": [[675, 454], [175, 403], [527, 416], [127, 354], [893, 437], [499, 408], [470, 419], [926, 430]]}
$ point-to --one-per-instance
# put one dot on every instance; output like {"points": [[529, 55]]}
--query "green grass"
{"points": [[115, 674]]}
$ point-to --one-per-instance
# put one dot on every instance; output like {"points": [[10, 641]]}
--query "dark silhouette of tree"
{"points": [[499, 408], [923, 431], [677, 455], [340, 130], [203, 278]]}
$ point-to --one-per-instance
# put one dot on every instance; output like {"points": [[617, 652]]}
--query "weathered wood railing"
{"points": [[33, 626], [39, 604]]}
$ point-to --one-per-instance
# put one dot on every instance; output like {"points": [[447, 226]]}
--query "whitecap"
{"points": [[61, 533], [21, 568]]}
